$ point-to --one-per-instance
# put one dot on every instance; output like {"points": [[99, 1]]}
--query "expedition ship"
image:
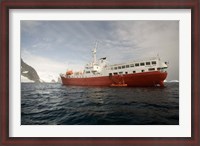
{"points": [[140, 73]]}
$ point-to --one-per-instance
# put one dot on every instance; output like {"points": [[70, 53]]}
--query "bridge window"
{"points": [[119, 67], [147, 63], [153, 62], [127, 66], [115, 68], [142, 64], [87, 72], [123, 66], [137, 64], [132, 65]]}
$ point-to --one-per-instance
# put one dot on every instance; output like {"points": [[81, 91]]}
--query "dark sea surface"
{"points": [[56, 104]]}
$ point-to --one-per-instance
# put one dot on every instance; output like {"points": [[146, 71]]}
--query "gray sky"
{"points": [[51, 47]]}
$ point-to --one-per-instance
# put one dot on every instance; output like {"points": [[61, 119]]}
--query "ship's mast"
{"points": [[94, 53]]}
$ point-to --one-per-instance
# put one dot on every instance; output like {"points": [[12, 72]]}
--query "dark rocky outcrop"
{"points": [[29, 72]]}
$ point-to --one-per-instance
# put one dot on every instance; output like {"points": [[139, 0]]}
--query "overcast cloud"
{"points": [[52, 47]]}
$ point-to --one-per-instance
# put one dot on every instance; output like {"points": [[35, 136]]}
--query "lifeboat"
{"points": [[69, 72]]}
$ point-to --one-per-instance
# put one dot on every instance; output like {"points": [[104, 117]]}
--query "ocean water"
{"points": [[56, 104]]}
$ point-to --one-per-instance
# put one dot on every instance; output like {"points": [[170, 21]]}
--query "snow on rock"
{"points": [[174, 81], [25, 72], [48, 77], [29, 72], [26, 80], [59, 80]]}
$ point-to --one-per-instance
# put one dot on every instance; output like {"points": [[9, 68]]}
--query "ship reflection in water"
{"points": [[56, 104]]}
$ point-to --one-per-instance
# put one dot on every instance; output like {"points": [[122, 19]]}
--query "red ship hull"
{"points": [[145, 79]]}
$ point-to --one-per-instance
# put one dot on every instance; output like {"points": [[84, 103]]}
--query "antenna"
{"points": [[94, 53], [158, 56]]}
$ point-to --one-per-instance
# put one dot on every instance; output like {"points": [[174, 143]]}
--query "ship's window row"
{"points": [[134, 65], [150, 69], [88, 67]]}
